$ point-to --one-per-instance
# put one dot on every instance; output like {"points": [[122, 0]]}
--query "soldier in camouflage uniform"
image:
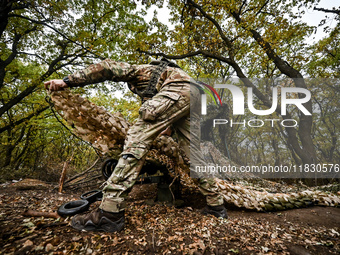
{"points": [[170, 106]]}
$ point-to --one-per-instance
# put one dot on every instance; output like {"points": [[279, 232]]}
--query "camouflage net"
{"points": [[107, 131]]}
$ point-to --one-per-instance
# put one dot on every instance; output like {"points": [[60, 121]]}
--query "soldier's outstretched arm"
{"points": [[105, 70]]}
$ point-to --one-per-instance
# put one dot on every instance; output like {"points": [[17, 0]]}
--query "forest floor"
{"points": [[154, 228]]}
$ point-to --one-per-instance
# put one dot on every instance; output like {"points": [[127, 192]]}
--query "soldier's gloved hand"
{"points": [[55, 85]]}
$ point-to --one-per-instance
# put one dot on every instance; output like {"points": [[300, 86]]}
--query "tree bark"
{"points": [[5, 8]]}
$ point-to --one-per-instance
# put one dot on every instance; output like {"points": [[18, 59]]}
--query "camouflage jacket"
{"points": [[137, 76]]}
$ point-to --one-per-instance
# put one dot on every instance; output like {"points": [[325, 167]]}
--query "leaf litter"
{"points": [[155, 228]]}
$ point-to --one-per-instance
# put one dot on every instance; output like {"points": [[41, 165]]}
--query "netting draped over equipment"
{"points": [[106, 132]]}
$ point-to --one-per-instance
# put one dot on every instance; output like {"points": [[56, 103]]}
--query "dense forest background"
{"points": [[211, 40]]}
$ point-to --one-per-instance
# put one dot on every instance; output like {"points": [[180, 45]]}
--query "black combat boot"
{"points": [[99, 220], [217, 211]]}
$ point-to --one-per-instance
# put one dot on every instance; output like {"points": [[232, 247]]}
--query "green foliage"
{"points": [[259, 39], [47, 40], [325, 56]]}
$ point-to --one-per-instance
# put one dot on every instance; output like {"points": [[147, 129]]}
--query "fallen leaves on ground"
{"points": [[162, 229]]}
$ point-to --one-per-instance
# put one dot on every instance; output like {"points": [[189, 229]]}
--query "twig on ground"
{"points": [[32, 213]]}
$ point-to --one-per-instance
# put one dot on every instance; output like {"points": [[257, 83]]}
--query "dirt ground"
{"points": [[154, 228]]}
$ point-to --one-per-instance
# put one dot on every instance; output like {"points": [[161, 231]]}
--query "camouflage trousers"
{"points": [[170, 107]]}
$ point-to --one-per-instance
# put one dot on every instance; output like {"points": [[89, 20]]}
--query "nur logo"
{"points": [[238, 99]]}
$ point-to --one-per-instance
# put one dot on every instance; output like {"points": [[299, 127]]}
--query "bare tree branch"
{"points": [[212, 20], [327, 10], [260, 10], [10, 58], [190, 54], [11, 125], [282, 65]]}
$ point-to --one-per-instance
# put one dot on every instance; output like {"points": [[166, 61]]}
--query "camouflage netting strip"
{"points": [[107, 132]]}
